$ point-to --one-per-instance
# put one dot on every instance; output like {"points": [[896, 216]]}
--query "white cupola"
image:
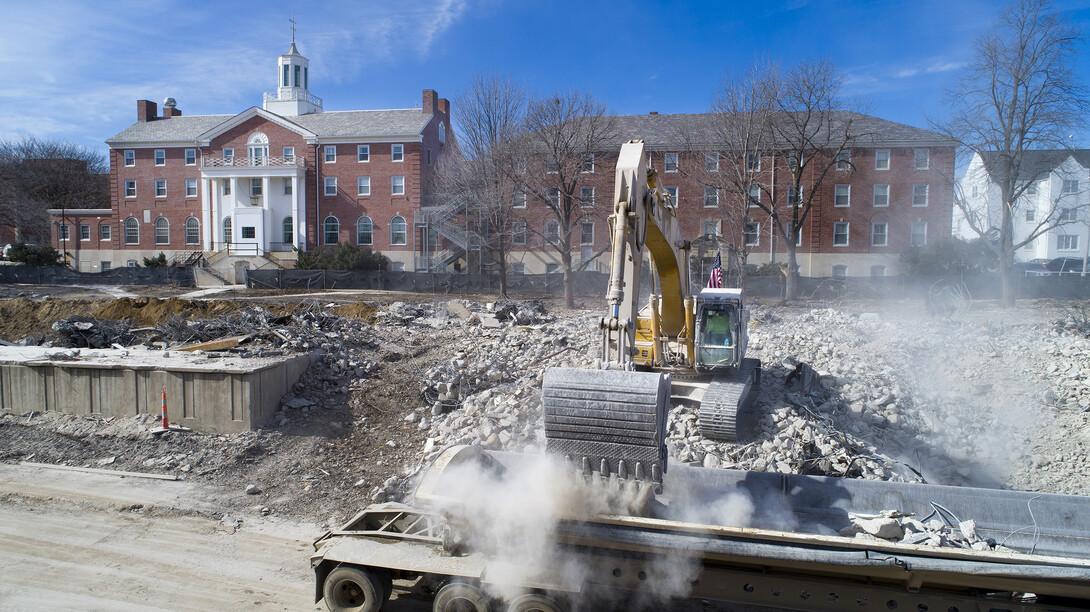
{"points": [[292, 96]]}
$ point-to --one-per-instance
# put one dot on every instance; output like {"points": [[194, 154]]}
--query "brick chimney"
{"points": [[444, 106], [146, 110], [169, 111], [431, 100], [653, 113]]}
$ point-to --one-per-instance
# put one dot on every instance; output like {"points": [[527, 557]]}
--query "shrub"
{"points": [[159, 261], [342, 257], [34, 255]]}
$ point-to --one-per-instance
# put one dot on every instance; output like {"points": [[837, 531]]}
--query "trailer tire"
{"points": [[356, 589], [456, 596], [534, 602]]}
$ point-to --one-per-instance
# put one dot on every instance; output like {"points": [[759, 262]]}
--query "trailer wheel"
{"points": [[534, 602], [355, 589], [460, 597]]}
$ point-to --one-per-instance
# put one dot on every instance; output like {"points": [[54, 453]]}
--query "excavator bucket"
{"points": [[608, 421]]}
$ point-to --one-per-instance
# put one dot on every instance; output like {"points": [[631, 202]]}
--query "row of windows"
{"points": [[879, 233], [161, 231], [841, 271], [331, 230], [363, 185], [160, 188], [160, 156], [552, 232], [363, 155], [921, 160]]}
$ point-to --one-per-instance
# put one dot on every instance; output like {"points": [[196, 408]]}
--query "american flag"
{"points": [[715, 281]]}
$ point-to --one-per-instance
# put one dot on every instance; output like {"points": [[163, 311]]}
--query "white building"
{"points": [[1056, 200]]}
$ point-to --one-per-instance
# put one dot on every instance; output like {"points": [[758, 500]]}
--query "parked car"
{"points": [[1033, 267], [1065, 265]]}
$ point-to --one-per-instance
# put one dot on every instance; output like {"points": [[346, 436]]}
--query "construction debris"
{"points": [[895, 526]]}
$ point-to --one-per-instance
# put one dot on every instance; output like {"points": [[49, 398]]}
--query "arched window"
{"points": [[398, 235], [331, 230], [442, 132], [132, 231], [288, 236], [227, 231], [257, 147], [192, 231], [162, 231], [363, 230]]}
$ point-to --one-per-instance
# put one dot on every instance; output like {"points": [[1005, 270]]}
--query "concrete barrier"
{"points": [[204, 392]]}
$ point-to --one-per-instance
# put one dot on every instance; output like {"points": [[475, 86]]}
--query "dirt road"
{"points": [[71, 540]]}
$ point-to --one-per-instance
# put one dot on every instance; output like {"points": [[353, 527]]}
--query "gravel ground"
{"points": [[989, 397]]}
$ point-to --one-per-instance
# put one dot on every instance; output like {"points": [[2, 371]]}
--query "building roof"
{"points": [[664, 131], [328, 124], [1037, 163]]}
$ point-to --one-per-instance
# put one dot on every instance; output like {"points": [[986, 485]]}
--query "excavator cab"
{"points": [[720, 330]]}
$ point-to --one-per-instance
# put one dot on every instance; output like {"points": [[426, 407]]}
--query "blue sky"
{"points": [[74, 70]]}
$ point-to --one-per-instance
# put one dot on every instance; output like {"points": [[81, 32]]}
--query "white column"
{"points": [[301, 212], [295, 223], [206, 213]]}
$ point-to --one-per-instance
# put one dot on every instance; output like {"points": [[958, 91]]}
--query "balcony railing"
{"points": [[292, 94], [252, 162]]}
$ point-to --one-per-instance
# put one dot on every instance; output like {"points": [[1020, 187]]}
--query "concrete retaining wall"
{"points": [[209, 395]]}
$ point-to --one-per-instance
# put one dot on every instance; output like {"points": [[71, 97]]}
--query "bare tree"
{"points": [[36, 175], [1020, 93], [563, 132], [489, 115]]}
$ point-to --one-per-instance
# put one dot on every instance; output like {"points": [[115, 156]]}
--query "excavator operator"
{"points": [[717, 329]]}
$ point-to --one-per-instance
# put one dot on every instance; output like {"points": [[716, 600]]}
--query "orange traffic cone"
{"points": [[166, 423]]}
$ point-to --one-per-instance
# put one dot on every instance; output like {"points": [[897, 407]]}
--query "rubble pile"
{"points": [[895, 526]]}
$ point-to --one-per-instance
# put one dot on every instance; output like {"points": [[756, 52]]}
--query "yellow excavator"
{"points": [[612, 420]]}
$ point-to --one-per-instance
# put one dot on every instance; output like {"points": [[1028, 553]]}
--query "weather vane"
{"points": [[292, 20]]}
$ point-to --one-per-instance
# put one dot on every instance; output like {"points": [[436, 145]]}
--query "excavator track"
{"points": [[608, 421], [725, 397]]}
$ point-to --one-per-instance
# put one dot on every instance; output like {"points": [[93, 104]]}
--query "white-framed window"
{"points": [[105, 231], [840, 271], [287, 185], [287, 231], [711, 196], [552, 232], [881, 195], [671, 191], [844, 160], [919, 194], [798, 237], [518, 268], [754, 195], [331, 230], [365, 231], [793, 196], [130, 158], [518, 232], [397, 185], [1031, 189], [397, 153], [552, 268], [228, 155], [331, 154], [588, 163], [228, 234], [442, 132], [586, 232], [191, 157], [130, 263], [877, 271], [752, 233], [162, 231], [921, 159], [398, 232], [840, 233], [918, 233], [1068, 215], [879, 234], [518, 199], [192, 231], [63, 231], [363, 153], [793, 162], [586, 196], [709, 227], [1031, 214], [753, 162], [881, 159], [842, 195], [1070, 186], [257, 186], [1067, 242], [227, 187], [711, 162], [160, 188], [669, 162], [130, 189], [84, 231], [160, 157], [289, 154], [553, 193], [104, 266], [330, 185], [249, 232], [363, 185], [191, 187]]}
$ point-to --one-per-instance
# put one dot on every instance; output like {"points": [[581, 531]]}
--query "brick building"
{"points": [[897, 191], [249, 189]]}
